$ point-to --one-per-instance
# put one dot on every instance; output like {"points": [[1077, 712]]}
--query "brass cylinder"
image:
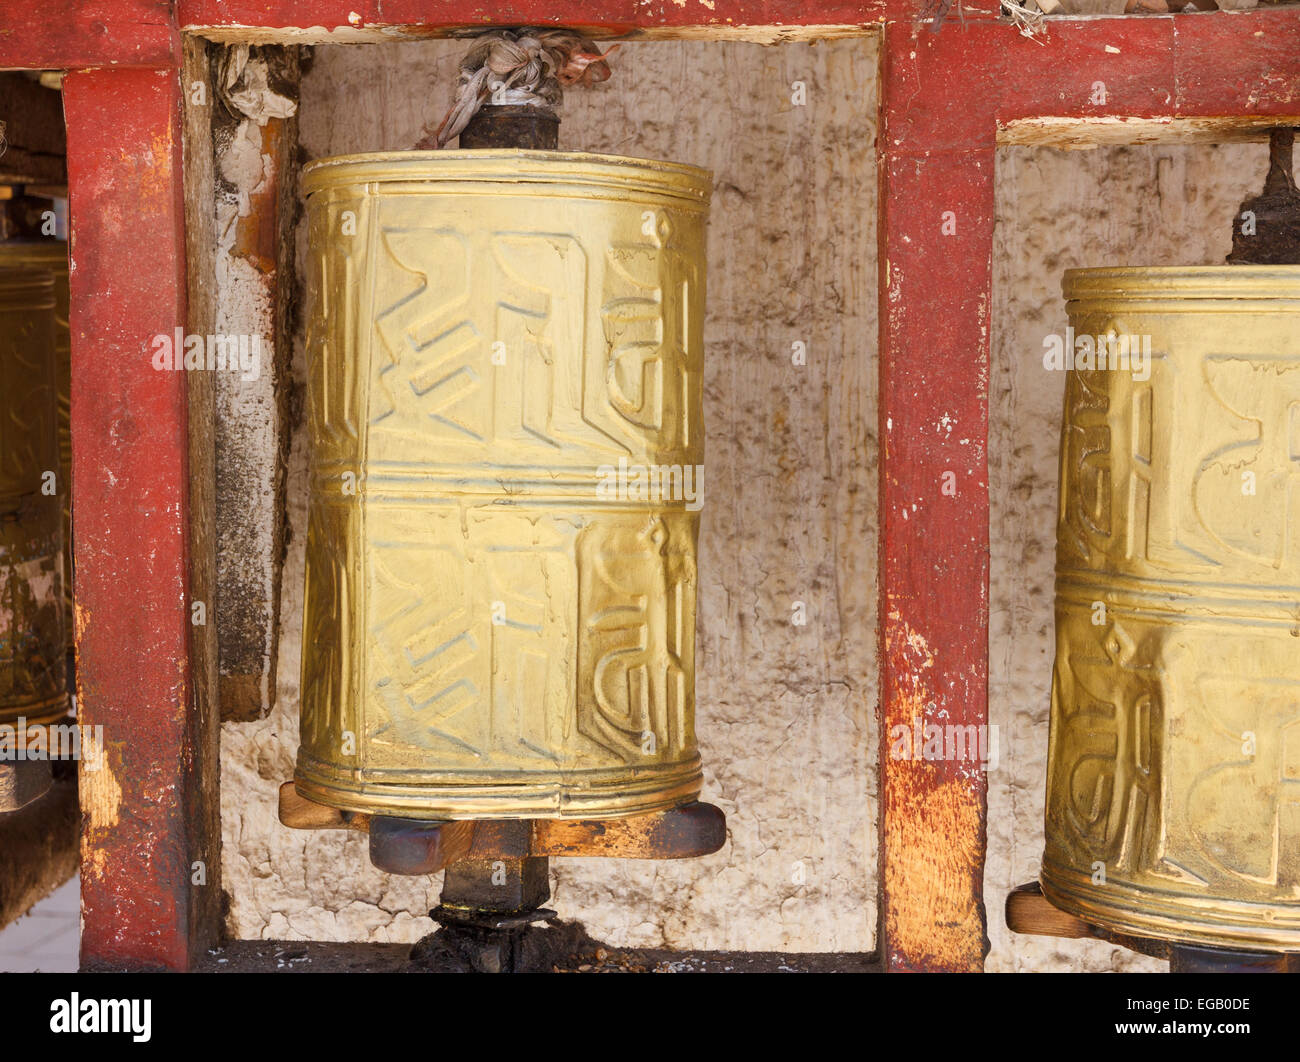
{"points": [[1173, 792], [33, 681], [52, 257], [500, 616]]}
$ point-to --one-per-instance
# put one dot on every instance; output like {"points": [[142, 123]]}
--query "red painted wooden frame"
{"points": [[130, 471], [946, 100]]}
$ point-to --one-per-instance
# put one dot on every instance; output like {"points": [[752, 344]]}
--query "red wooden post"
{"points": [[934, 528], [936, 253], [143, 827]]}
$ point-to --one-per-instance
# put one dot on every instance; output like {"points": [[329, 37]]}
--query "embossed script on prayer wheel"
{"points": [[505, 411], [33, 683], [1173, 794], [52, 257]]}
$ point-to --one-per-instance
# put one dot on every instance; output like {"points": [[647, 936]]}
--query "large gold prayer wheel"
{"points": [[505, 414], [52, 256], [1173, 795], [33, 681]]}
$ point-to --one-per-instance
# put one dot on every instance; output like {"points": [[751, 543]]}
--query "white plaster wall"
{"points": [[784, 712]]}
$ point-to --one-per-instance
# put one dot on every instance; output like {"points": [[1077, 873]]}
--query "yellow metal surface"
{"points": [[1173, 796], [52, 257], [33, 683], [499, 617]]}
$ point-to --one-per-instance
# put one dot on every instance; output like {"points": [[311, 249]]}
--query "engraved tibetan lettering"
{"points": [[1174, 761], [500, 636]]}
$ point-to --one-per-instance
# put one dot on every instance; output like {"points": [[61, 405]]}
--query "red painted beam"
{"points": [[949, 90], [943, 90], [618, 15], [624, 14], [141, 833], [1227, 48], [1238, 65], [1207, 65], [69, 34]]}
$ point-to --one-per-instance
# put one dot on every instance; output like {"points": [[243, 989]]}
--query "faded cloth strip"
{"points": [[520, 68]]}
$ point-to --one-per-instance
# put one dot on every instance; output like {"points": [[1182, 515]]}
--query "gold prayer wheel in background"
{"points": [[33, 679], [52, 256], [1173, 793], [505, 414]]}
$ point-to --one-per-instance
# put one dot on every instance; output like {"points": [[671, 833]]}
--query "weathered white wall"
{"points": [[784, 712], [1056, 210]]}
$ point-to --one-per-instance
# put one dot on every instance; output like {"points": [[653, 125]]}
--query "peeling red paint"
{"points": [[71, 34], [333, 14], [936, 236], [129, 442]]}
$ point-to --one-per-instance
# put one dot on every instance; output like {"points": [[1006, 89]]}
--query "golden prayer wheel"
{"points": [[52, 257], [505, 415], [33, 680], [1173, 793]]}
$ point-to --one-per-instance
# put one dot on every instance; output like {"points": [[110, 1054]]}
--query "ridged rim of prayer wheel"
{"points": [[590, 173], [1247, 284], [45, 253]]}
